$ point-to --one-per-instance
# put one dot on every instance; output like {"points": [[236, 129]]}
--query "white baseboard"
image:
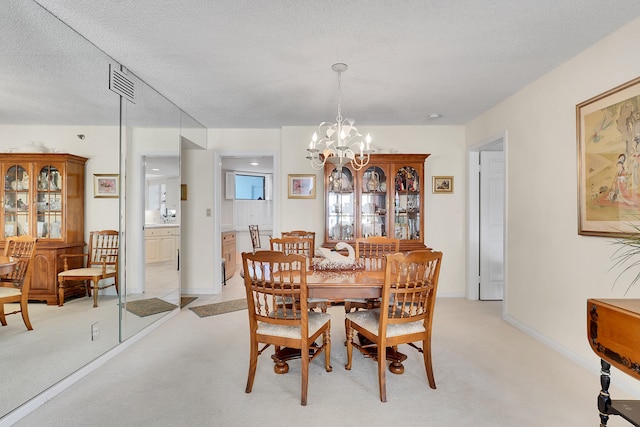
{"points": [[619, 379]]}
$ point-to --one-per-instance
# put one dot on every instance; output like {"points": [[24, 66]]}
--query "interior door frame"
{"points": [[473, 215], [218, 194]]}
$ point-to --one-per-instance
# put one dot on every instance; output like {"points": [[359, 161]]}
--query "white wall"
{"points": [[551, 270]]}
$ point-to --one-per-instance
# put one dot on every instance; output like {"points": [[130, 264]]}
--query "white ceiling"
{"points": [[267, 64]]}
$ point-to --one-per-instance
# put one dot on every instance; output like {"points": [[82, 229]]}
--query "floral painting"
{"points": [[105, 185]]}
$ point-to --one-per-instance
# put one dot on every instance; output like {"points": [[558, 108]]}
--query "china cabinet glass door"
{"points": [[16, 200], [373, 202], [341, 205], [49, 203], [407, 204]]}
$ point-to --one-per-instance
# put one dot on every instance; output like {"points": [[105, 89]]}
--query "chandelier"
{"points": [[341, 142]]}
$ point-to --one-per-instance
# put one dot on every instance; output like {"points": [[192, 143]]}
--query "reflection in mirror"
{"points": [[151, 140], [55, 98]]}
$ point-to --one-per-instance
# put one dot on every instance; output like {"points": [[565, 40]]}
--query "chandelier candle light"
{"points": [[341, 141]]}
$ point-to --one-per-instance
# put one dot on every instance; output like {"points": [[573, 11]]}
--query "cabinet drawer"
{"points": [[157, 232], [228, 236]]}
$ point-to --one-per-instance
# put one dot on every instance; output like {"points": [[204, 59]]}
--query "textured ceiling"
{"points": [[267, 64]]}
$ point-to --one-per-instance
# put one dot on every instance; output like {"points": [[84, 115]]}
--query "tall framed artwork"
{"points": [[608, 137]]}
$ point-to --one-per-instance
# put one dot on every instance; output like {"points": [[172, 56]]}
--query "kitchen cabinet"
{"points": [[43, 195], [384, 198], [161, 243], [229, 253]]}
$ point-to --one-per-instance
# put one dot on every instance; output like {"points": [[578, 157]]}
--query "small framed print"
{"points": [[106, 185], [442, 184], [302, 186]]}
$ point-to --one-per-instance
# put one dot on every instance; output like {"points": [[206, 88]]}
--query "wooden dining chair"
{"points": [[14, 287], [254, 234], [370, 252], [271, 277], [306, 234], [301, 245], [405, 315], [101, 264]]}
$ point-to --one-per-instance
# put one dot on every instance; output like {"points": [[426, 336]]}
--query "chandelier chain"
{"points": [[339, 143], [339, 117]]}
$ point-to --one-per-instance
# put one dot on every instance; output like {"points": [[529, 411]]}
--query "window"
{"points": [[250, 187]]}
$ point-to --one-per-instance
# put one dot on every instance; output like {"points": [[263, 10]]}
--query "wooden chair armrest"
{"points": [[66, 262]]}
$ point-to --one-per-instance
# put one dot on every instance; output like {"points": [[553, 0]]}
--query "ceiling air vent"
{"points": [[120, 84]]}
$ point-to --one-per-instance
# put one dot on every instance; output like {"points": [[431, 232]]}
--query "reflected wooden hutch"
{"points": [[384, 198], [43, 195]]}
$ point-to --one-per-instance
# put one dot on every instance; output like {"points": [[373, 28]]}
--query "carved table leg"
{"points": [[604, 400]]}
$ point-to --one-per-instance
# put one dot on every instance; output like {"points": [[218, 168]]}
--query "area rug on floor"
{"points": [[148, 307], [184, 301], [219, 307]]}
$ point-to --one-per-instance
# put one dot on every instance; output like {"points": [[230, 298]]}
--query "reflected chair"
{"points": [[271, 277], [301, 245], [405, 315], [254, 234], [14, 287], [101, 264], [370, 252]]}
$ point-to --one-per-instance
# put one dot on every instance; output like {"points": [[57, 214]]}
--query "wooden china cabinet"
{"points": [[43, 195], [384, 198]]}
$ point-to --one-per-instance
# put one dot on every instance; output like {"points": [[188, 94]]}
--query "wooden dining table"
{"points": [[7, 265], [338, 285]]}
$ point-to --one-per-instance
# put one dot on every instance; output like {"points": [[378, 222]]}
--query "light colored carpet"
{"points": [[192, 372], [220, 307]]}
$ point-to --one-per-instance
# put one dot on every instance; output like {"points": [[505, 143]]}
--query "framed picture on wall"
{"points": [[302, 186], [106, 185], [608, 138], [442, 184]]}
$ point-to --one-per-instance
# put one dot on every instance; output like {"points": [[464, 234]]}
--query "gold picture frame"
{"points": [[106, 185], [442, 184], [608, 139], [302, 186]]}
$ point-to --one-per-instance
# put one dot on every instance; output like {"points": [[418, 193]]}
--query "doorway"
{"points": [[486, 213], [232, 215], [161, 225]]}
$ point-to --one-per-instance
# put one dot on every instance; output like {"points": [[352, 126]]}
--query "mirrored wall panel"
{"points": [[62, 129]]}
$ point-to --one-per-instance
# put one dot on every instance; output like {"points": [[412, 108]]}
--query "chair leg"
{"points": [[382, 364], [94, 286], [60, 293], [350, 333], [426, 354], [326, 337], [3, 318], [305, 374], [24, 311], [253, 362]]}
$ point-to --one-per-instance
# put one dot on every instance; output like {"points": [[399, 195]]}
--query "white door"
{"points": [[491, 225]]}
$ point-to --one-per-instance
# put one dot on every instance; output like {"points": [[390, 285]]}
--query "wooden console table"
{"points": [[613, 328]]}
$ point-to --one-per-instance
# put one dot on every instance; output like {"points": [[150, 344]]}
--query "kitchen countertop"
{"points": [[160, 225]]}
